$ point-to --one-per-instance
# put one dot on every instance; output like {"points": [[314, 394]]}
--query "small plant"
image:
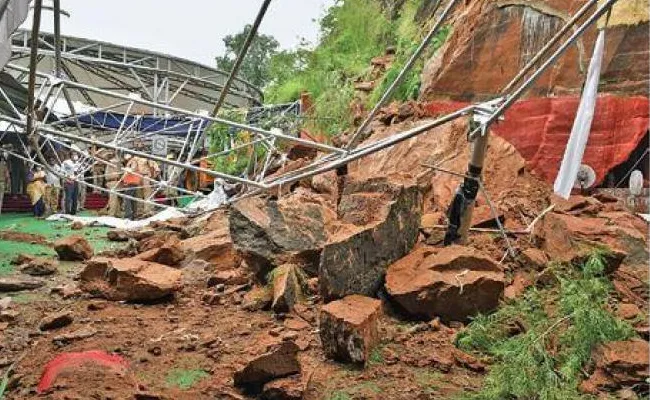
{"points": [[376, 357], [184, 378], [339, 395]]}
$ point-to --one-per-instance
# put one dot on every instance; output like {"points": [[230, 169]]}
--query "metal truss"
{"points": [[81, 131]]}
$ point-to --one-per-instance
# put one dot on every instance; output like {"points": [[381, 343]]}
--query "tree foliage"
{"points": [[256, 65]]}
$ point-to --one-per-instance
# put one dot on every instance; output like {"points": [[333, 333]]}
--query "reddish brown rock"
{"points": [[118, 235], [215, 247], [40, 267], [520, 283], [129, 279], [16, 284], [287, 282], [349, 328], [56, 321], [628, 311], [275, 359], [290, 388], [228, 277], [533, 258], [73, 248], [258, 298], [453, 283], [619, 365], [482, 217], [431, 220], [379, 221], [171, 253]]}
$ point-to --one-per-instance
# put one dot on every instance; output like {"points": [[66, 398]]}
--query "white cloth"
{"points": [[15, 14], [575, 148]]}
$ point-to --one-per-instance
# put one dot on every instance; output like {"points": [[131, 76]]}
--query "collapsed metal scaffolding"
{"points": [[73, 129]]}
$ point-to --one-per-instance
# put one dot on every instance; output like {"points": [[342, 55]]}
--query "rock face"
{"points": [[269, 233], [453, 283], [73, 248], [39, 267], [348, 328], [288, 281], [277, 360], [492, 40], [379, 224], [170, 253], [619, 365], [129, 279]]}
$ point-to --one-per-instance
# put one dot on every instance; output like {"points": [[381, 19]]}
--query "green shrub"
{"points": [[559, 327]]}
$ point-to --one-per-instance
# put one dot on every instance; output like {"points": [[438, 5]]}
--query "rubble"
{"points": [[73, 248], [349, 328], [619, 365], [453, 283], [129, 279], [215, 247], [276, 359], [380, 222]]}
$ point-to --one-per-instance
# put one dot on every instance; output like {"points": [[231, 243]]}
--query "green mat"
{"points": [[24, 222]]}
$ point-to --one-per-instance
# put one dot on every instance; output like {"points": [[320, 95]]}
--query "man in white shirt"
{"points": [[70, 186]]}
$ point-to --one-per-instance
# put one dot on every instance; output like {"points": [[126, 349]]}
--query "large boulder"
{"points": [[269, 233], [349, 328], [453, 283], [619, 365], [272, 359], [129, 279], [73, 248], [379, 222]]}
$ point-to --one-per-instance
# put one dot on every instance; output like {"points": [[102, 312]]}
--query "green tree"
{"points": [[255, 67]]}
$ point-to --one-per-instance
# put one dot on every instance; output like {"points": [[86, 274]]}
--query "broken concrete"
{"points": [[129, 279], [379, 224], [73, 248], [349, 328], [453, 283], [277, 359]]}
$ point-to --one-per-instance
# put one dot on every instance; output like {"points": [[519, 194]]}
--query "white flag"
{"points": [[575, 148]]}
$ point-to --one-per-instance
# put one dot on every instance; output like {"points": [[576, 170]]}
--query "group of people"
{"points": [[58, 189], [44, 188]]}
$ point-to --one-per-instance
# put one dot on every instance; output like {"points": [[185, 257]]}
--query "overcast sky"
{"points": [[191, 29]]}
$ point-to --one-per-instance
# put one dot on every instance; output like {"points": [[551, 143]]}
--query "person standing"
{"points": [[5, 179], [131, 181], [70, 186], [113, 175], [36, 190], [150, 170], [53, 188]]}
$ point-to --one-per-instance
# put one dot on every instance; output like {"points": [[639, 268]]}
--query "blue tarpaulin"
{"points": [[176, 126]]}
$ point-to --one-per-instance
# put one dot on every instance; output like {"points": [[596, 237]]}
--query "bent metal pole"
{"points": [[461, 207], [241, 56]]}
